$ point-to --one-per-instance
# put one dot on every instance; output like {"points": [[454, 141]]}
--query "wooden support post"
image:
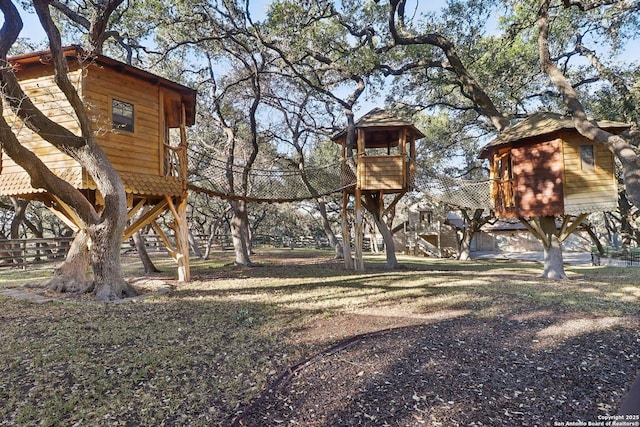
{"points": [[181, 230], [567, 228], [412, 164], [346, 236], [358, 238], [182, 153], [134, 210], [358, 219], [145, 219], [66, 213], [164, 238]]}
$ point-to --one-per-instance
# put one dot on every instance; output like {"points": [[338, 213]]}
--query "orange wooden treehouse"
{"points": [[140, 121], [385, 147], [542, 167]]}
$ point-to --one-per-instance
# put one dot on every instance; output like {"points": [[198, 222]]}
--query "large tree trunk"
{"points": [[553, 263], [240, 232], [104, 229], [108, 278], [72, 275], [389, 244], [374, 206]]}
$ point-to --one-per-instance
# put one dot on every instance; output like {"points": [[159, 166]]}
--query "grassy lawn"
{"points": [[200, 353]]}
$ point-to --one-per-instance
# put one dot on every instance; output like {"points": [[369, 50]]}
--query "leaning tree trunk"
{"points": [[240, 232], [333, 241], [104, 229], [389, 245], [141, 247], [373, 206]]}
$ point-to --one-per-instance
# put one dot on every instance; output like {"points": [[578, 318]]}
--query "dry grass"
{"points": [[199, 354]]}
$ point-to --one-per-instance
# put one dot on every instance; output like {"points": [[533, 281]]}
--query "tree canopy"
{"points": [[268, 83]]}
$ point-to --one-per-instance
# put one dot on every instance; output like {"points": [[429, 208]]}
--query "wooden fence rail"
{"points": [[18, 252], [22, 252]]}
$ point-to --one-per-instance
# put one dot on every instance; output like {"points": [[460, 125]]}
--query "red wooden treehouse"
{"points": [[542, 167], [385, 148], [140, 122]]}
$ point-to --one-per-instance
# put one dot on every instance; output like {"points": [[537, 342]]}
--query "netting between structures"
{"points": [[279, 183], [457, 192], [282, 183]]}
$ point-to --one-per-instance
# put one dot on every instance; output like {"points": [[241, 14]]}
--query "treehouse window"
{"points": [[587, 157], [122, 115], [426, 217]]}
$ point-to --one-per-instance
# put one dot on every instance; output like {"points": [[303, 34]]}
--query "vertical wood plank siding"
{"points": [[588, 190], [537, 171]]}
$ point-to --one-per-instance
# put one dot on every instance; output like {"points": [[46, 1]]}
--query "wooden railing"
{"points": [[505, 196]]}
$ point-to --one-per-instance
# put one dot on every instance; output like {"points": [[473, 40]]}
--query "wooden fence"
{"points": [[20, 252]]}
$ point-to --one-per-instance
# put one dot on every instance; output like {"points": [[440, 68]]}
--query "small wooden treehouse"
{"points": [[140, 122], [385, 152], [542, 166]]}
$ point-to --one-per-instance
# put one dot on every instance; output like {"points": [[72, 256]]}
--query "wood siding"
{"points": [[537, 176], [588, 190], [37, 82], [138, 151], [382, 172], [138, 156]]}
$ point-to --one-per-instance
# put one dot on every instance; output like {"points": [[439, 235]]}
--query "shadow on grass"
{"points": [[158, 362], [464, 371], [198, 355]]}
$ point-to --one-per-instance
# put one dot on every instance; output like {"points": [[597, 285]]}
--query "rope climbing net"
{"points": [[279, 183], [284, 182], [458, 192]]}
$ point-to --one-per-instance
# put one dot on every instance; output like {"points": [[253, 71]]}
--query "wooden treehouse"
{"points": [[384, 164], [542, 167], [139, 120]]}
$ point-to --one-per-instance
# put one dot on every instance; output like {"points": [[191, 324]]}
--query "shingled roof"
{"points": [[382, 119], [542, 123]]}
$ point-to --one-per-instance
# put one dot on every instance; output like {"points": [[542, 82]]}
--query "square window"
{"points": [[587, 157], [122, 115]]}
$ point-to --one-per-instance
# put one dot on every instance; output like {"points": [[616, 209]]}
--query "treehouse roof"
{"points": [[542, 123], [381, 127], [187, 95]]}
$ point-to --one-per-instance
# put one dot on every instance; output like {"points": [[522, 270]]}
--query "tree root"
{"points": [[66, 284], [70, 285]]}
